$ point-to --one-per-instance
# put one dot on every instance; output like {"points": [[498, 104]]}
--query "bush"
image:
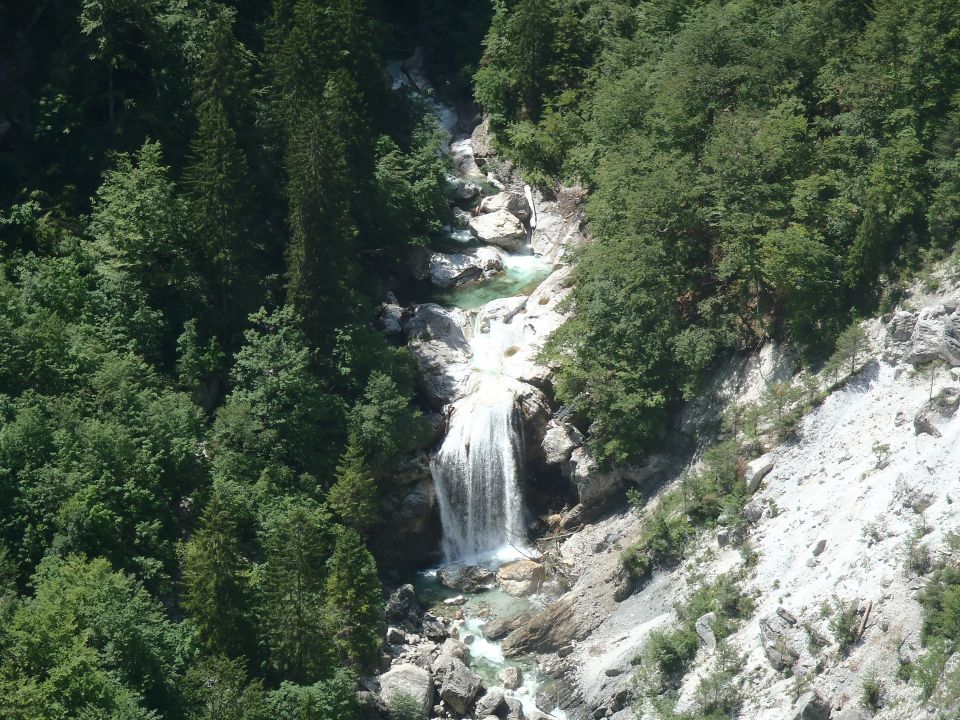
{"points": [[844, 623], [404, 707], [873, 689], [672, 650]]}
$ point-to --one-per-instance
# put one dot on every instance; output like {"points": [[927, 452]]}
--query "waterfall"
{"points": [[477, 470]]}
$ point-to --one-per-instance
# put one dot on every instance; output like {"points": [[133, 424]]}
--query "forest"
{"points": [[199, 203], [197, 199], [757, 169]]}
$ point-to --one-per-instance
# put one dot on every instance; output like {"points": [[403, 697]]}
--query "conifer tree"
{"points": [[354, 600], [354, 495], [297, 545], [215, 582], [222, 204]]}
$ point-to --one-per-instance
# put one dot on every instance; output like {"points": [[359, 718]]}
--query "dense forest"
{"points": [[197, 199], [757, 169]]}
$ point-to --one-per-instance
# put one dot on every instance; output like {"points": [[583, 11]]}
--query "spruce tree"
{"points": [[222, 203], [215, 583], [354, 600], [354, 495], [297, 545]]}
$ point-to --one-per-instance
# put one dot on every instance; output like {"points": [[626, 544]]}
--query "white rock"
{"points": [[460, 268], [500, 228], [511, 202], [458, 685], [757, 470], [521, 577], [410, 680], [559, 441]]}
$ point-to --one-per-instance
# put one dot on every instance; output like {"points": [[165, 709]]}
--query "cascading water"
{"points": [[477, 470]]}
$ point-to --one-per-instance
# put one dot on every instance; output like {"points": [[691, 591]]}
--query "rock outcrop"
{"points": [[409, 681], [521, 577], [513, 203]]}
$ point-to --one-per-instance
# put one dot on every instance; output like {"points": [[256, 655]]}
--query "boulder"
{"points": [[500, 228], [559, 441], [757, 470], [548, 630], [778, 645], [408, 680], [935, 335], [501, 627], [396, 636], [455, 648], [514, 709], [465, 191], [511, 677], [492, 703], [901, 325], [936, 410], [456, 269], [521, 577], [465, 578], [435, 630], [482, 140], [403, 606], [704, 628], [810, 706], [513, 203], [390, 319], [595, 489], [458, 685]]}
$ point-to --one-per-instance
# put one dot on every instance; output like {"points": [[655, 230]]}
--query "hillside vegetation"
{"points": [[756, 169]]}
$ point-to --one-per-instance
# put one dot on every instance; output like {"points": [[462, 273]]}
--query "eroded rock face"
{"points": [[935, 335], [458, 685], [936, 410], [411, 533], [440, 348], [777, 641], [500, 228], [501, 627], [515, 204], [410, 680], [521, 577], [811, 706], [595, 489]]}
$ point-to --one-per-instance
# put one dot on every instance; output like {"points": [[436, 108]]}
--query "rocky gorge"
{"points": [[530, 611]]}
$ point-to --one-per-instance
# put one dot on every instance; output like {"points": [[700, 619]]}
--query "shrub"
{"points": [[404, 707], [873, 689], [672, 650], [844, 623]]}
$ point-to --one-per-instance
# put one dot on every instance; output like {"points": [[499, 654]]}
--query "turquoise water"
{"points": [[521, 276]]}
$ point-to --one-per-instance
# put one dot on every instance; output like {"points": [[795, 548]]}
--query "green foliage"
{"points": [[844, 623], [354, 603], [215, 585], [297, 541], [218, 689], [332, 699], [405, 707], [88, 637], [756, 170], [872, 691], [354, 496]]}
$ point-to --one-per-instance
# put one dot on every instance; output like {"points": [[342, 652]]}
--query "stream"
{"points": [[477, 470]]}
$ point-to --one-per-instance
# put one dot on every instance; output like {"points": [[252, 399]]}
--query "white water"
{"points": [[477, 471]]}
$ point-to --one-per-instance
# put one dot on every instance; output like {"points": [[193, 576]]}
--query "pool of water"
{"points": [[521, 276]]}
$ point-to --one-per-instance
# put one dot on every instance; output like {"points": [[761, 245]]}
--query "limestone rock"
{"points": [[778, 645], [460, 268], [409, 680], [511, 677], [548, 630], [455, 648], [901, 325], [704, 628], [934, 411], [390, 319], [559, 441], [492, 703], [441, 350], [501, 627], [403, 606], [458, 685], [810, 706], [521, 577], [482, 140], [465, 578], [594, 488], [396, 636], [516, 204], [500, 228], [757, 470]]}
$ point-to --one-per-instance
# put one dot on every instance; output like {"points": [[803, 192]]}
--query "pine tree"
{"points": [[354, 600], [215, 582], [297, 545], [354, 496]]}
